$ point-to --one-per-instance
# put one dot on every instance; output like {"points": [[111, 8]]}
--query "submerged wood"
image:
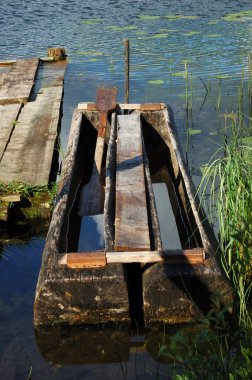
{"points": [[170, 292]]}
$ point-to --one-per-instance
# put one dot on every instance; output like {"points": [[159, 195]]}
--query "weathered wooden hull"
{"points": [[150, 292]]}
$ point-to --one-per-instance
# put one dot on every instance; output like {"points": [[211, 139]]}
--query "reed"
{"points": [[228, 175]]}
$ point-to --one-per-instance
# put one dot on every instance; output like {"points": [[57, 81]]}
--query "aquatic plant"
{"points": [[218, 350], [238, 16], [156, 81], [228, 175], [121, 28], [91, 21], [148, 17]]}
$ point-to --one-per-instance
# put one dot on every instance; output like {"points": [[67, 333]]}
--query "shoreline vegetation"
{"points": [[221, 347]]}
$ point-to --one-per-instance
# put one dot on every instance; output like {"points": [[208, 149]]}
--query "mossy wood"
{"points": [[111, 293]]}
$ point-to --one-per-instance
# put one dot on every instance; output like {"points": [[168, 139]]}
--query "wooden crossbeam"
{"points": [[131, 219], [136, 106], [81, 260]]}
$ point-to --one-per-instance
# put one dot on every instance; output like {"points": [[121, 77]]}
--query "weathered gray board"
{"points": [[131, 220], [29, 131], [17, 85]]}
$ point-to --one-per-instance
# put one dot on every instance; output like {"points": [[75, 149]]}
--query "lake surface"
{"points": [[187, 54]]}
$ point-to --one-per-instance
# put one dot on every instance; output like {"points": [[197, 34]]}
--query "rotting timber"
{"points": [[31, 92], [127, 280]]}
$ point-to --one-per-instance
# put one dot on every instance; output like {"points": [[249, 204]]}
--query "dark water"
{"points": [[216, 53]]}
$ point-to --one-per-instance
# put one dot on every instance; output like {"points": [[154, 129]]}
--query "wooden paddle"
{"points": [[92, 194]]}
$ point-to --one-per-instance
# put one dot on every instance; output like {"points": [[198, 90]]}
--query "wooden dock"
{"points": [[30, 111]]}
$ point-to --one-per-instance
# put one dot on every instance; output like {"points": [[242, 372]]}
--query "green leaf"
{"points": [[194, 131], [156, 81]]}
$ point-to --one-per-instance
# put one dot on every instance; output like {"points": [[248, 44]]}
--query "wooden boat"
{"points": [[133, 277]]}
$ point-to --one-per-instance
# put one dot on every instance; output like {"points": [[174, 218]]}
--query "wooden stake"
{"points": [[127, 64]]}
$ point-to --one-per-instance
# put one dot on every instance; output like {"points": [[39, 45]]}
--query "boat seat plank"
{"points": [[95, 259], [17, 85], [131, 219]]}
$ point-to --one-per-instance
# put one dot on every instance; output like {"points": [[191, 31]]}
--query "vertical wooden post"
{"points": [[126, 72]]}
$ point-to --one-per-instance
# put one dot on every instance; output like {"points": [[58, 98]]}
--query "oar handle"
{"points": [[102, 124]]}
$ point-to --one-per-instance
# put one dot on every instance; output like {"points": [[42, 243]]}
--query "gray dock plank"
{"points": [[28, 154], [16, 87], [8, 117]]}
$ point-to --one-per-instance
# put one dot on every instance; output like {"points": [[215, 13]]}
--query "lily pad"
{"points": [[160, 35], [213, 35], [168, 30], [91, 21], [181, 17], [156, 81], [192, 33], [121, 28], [213, 22], [89, 53], [193, 132], [149, 17], [239, 16], [179, 74], [222, 76]]}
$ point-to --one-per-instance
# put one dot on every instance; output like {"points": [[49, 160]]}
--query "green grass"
{"points": [[229, 177]]}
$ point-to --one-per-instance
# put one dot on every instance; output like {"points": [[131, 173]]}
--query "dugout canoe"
{"points": [[129, 280]]}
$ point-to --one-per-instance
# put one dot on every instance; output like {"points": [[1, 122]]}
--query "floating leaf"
{"points": [[194, 131], [213, 133], [89, 53], [149, 17], [239, 16], [121, 28], [179, 74], [213, 22], [167, 30], [156, 81], [222, 76], [160, 35], [91, 21], [192, 33], [181, 17], [213, 35]]}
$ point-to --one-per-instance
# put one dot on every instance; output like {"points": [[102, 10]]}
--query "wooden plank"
{"points": [[101, 258], [124, 106], [131, 219], [17, 86], [10, 198], [8, 117], [28, 155]]}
